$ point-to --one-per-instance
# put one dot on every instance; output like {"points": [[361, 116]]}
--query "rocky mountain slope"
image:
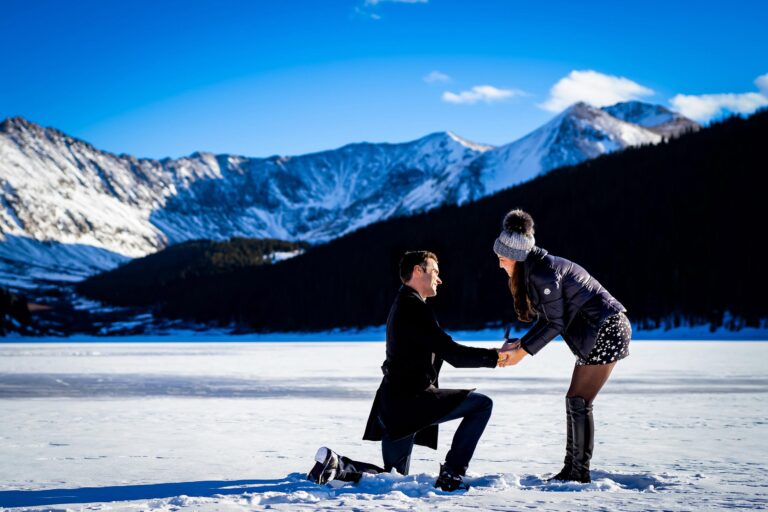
{"points": [[68, 210]]}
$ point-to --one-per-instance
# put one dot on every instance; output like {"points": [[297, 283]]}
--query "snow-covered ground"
{"points": [[234, 426]]}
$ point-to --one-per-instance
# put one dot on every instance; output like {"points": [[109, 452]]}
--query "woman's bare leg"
{"points": [[588, 380]]}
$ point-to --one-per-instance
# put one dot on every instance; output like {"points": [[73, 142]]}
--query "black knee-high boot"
{"points": [[583, 432], [565, 473]]}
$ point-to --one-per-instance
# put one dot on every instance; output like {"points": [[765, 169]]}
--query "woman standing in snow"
{"points": [[567, 301]]}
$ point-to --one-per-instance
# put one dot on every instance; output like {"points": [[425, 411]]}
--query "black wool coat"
{"points": [[569, 302], [409, 400]]}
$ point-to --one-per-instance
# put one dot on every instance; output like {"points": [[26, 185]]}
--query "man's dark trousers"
{"points": [[475, 411]]}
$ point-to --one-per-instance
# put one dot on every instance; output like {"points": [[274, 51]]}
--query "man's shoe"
{"points": [[563, 475], [450, 480], [326, 466], [580, 475]]}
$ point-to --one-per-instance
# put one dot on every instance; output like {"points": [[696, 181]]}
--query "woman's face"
{"points": [[507, 264]]}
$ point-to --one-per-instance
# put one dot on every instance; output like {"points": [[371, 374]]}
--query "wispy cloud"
{"points": [[366, 13], [704, 107], [594, 88], [437, 77], [377, 2], [481, 93], [368, 8]]}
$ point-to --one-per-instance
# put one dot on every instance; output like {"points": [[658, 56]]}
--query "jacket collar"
{"points": [[407, 290], [536, 255]]}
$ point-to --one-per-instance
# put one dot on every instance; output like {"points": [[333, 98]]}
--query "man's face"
{"points": [[426, 279]]}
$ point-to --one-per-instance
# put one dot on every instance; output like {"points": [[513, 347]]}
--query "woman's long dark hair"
{"points": [[523, 306]]}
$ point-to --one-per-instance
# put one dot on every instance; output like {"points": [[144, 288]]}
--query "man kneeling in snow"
{"points": [[409, 405]]}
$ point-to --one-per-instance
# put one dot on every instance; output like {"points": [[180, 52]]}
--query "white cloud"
{"points": [[484, 93], [762, 83], [594, 88], [706, 106], [437, 76]]}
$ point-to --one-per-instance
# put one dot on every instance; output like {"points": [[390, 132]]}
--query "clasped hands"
{"points": [[510, 353]]}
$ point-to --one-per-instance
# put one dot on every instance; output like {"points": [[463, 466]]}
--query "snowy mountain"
{"points": [[68, 210], [579, 133], [653, 117], [320, 196]]}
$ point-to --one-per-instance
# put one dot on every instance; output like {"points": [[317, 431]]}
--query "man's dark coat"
{"points": [[408, 400]]}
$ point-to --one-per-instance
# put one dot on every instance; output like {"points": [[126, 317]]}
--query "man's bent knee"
{"points": [[482, 401]]}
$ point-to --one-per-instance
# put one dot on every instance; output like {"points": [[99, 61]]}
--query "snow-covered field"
{"points": [[234, 426]]}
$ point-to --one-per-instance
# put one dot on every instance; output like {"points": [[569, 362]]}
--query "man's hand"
{"points": [[511, 357], [503, 358], [511, 353]]}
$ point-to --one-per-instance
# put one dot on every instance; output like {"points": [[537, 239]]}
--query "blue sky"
{"points": [[257, 78]]}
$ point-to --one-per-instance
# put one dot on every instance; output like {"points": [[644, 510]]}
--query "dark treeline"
{"points": [[674, 231], [152, 278], [14, 313]]}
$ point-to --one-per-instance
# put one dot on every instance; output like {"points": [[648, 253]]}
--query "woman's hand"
{"points": [[515, 356], [511, 353], [510, 344]]}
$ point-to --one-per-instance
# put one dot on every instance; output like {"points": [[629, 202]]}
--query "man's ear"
{"points": [[417, 267]]}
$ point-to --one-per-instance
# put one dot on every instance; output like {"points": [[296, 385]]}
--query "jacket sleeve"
{"points": [[548, 286], [456, 354]]}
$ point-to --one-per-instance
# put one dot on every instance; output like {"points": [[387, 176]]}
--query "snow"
{"points": [[642, 114], [468, 143], [234, 426], [577, 134], [284, 255]]}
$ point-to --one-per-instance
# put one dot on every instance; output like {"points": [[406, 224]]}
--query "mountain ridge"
{"points": [[55, 188], [644, 222]]}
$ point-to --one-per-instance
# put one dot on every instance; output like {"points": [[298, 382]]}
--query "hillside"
{"points": [[672, 230]]}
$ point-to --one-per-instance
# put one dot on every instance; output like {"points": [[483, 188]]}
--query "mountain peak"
{"points": [[653, 117], [468, 143], [23, 129], [16, 123], [580, 110], [20, 125], [451, 137]]}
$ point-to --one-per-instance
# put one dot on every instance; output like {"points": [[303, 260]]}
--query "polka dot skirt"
{"points": [[612, 341]]}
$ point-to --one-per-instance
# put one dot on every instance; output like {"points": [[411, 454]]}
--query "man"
{"points": [[409, 405]]}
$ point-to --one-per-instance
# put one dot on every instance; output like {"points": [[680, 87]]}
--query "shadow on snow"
{"points": [[209, 488], [279, 490]]}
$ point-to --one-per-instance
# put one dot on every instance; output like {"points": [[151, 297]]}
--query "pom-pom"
{"points": [[518, 221]]}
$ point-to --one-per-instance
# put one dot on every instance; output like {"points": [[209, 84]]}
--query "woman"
{"points": [[567, 301]]}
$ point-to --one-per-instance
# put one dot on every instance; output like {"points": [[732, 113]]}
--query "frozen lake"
{"points": [[234, 426]]}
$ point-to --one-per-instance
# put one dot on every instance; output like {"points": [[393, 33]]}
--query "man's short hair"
{"points": [[412, 258]]}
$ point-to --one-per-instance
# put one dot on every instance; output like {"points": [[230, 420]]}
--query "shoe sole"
{"points": [[462, 487], [318, 473]]}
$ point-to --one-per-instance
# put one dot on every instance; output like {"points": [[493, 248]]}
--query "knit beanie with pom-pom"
{"points": [[516, 239]]}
